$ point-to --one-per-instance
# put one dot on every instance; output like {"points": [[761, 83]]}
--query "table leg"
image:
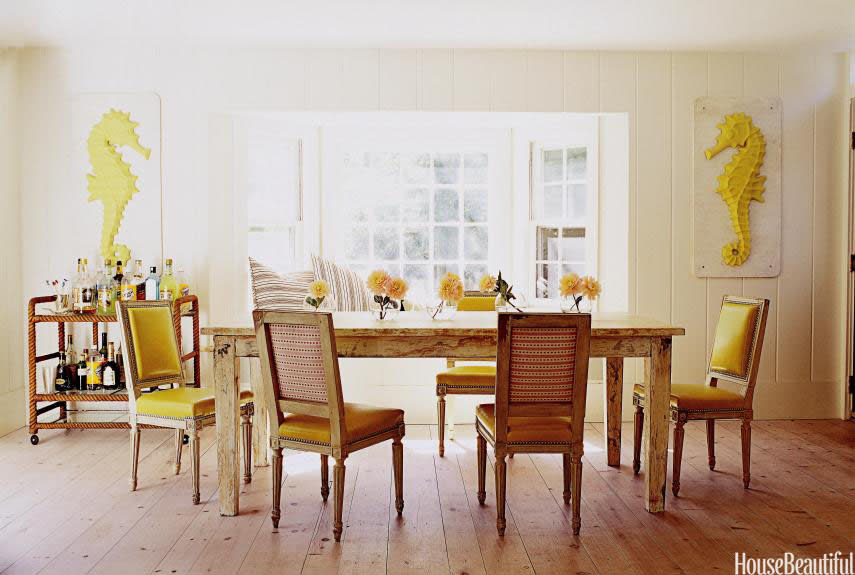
{"points": [[260, 442], [614, 408], [657, 372], [226, 392]]}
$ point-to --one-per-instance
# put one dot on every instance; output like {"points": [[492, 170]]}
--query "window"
{"points": [[272, 176], [416, 211], [563, 208]]}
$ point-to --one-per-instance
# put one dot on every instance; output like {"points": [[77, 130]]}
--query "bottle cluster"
{"points": [[94, 369], [99, 291]]}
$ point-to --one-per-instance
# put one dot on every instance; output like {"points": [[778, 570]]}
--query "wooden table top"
{"points": [[470, 323]]}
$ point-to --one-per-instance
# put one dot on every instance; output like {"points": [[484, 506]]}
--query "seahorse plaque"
{"points": [[737, 187]]}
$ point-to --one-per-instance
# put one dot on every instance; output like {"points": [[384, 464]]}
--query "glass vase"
{"points": [[441, 310], [383, 313]]}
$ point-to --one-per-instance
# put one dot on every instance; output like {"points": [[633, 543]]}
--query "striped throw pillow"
{"points": [[272, 291], [346, 286]]}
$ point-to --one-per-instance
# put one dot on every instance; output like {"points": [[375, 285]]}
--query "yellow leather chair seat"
{"points": [[546, 429], [182, 402], [469, 376], [691, 397], [362, 421]]}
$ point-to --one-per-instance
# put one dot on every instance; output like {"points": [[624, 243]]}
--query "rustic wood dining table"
{"points": [[614, 336]]}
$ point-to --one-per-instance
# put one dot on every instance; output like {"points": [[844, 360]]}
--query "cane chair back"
{"points": [[300, 367], [542, 368]]}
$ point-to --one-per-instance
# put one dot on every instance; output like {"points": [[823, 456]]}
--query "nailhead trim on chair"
{"points": [[350, 442], [246, 409]]}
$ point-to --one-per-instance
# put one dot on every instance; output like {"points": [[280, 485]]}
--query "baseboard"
{"points": [[12, 410]]}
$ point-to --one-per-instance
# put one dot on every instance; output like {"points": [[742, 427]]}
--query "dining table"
{"points": [[614, 336]]}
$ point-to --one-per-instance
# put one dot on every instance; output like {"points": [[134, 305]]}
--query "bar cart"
{"points": [[187, 306]]}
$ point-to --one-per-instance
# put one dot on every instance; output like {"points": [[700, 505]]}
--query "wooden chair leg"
{"points": [[135, 456], [482, 469], [194, 464], [276, 513], [246, 428], [576, 472], [501, 484], [398, 465], [179, 443], [679, 434], [338, 498], [568, 481], [325, 477], [440, 412], [636, 439], [746, 452], [711, 442]]}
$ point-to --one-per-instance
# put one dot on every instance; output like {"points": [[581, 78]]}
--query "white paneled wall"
{"points": [[12, 393], [802, 367]]}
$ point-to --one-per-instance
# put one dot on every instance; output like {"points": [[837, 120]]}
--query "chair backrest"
{"points": [[477, 301], [738, 343], [299, 366], [151, 350], [542, 368]]}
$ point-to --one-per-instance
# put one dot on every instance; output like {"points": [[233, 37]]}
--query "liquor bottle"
{"points": [[103, 349], [182, 282], [127, 289], [83, 371], [168, 285], [106, 293], [70, 354], [62, 380], [139, 281], [152, 284], [82, 289], [120, 363], [93, 381], [109, 370]]}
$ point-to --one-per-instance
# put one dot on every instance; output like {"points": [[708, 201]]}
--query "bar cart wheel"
{"points": [[185, 440], [34, 439]]}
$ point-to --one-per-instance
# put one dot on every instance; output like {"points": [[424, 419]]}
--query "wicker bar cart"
{"points": [[60, 401]]}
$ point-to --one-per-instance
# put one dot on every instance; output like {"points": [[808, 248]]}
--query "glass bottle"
{"points": [[109, 370], [182, 282], [116, 285], [105, 289], [93, 381], [127, 288], [70, 354], [139, 281], [82, 289], [83, 371], [152, 284], [62, 380], [168, 285]]}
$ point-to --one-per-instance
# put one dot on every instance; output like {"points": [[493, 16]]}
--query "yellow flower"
{"points": [[591, 288], [378, 282], [451, 288], [487, 284], [571, 285], [397, 288], [319, 289]]}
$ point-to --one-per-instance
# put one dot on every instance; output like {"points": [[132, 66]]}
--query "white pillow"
{"points": [[272, 291], [346, 286]]}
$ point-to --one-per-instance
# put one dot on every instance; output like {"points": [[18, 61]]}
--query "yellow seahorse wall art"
{"points": [[111, 181], [740, 182]]}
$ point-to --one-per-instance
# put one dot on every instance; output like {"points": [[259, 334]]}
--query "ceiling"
{"points": [[496, 24]]}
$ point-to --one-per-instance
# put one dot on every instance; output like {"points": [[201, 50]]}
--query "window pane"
{"points": [[446, 168], [416, 243], [385, 168], [418, 278], [553, 164], [578, 269], [417, 168], [577, 163], [547, 244], [472, 274], [552, 202], [357, 244], [445, 208], [446, 242], [548, 281], [475, 168], [386, 243], [439, 271], [386, 211], [416, 205], [573, 245], [475, 205], [576, 201], [475, 243], [273, 248]]}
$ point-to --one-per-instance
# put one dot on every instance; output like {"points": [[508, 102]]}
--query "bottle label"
{"points": [[109, 378], [166, 295], [105, 298], [183, 290], [59, 383], [129, 293]]}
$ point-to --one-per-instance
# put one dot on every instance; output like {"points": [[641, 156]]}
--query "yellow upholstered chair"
{"points": [[153, 360], [302, 394], [729, 389], [464, 379], [541, 387]]}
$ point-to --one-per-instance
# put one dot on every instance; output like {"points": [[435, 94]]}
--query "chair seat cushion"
{"points": [[182, 402], [362, 421], [469, 376], [537, 430], [693, 397]]}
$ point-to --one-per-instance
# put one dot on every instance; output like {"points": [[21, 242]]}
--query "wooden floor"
{"points": [[65, 508]]}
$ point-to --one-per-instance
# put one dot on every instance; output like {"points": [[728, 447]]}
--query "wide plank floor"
{"points": [[65, 508]]}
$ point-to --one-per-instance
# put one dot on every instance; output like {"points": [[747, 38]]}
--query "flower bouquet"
{"points": [[575, 289], [318, 296], [389, 294], [449, 294], [505, 293]]}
